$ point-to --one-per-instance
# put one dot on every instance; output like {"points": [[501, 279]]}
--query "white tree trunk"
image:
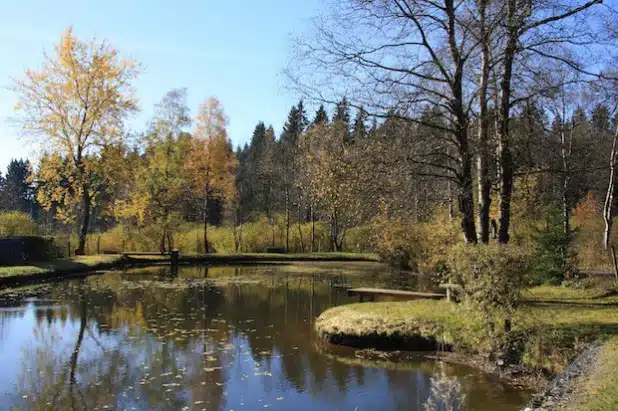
{"points": [[609, 198]]}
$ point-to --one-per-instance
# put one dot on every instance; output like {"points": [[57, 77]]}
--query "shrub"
{"points": [[397, 242], [360, 239], [437, 237], [492, 278], [588, 239], [188, 237], [16, 224]]}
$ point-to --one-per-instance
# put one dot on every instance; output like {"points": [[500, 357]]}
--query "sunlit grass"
{"points": [[391, 320], [551, 330], [60, 265], [93, 261], [597, 291]]}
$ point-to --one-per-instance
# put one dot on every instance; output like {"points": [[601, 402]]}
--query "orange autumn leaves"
{"points": [[211, 162]]}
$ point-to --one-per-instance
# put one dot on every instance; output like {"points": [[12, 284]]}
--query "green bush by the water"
{"points": [[492, 278]]}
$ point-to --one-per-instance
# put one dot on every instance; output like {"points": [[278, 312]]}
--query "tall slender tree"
{"points": [[293, 128], [211, 161], [76, 104], [359, 129]]}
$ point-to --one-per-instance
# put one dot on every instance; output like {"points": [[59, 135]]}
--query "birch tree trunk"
{"points": [[565, 152], [609, 197]]}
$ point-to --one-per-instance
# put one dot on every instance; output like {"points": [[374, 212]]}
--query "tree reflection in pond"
{"points": [[213, 338]]}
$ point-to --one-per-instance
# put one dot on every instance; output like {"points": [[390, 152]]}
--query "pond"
{"points": [[215, 338]]}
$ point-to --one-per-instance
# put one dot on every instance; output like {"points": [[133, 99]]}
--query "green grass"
{"points": [[62, 265], [90, 262], [599, 392], [551, 328], [420, 320], [600, 292]]}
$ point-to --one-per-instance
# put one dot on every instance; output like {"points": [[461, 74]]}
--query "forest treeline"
{"points": [[429, 122]]}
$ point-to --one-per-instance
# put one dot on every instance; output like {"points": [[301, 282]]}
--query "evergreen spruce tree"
{"points": [[18, 192], [359, 130], [342, 116], [320, 115], [342, 111]]}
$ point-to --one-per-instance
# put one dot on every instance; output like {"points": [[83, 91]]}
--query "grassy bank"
{"points": [[274, 257], [552, 327], [411, 324], [10, 275]]}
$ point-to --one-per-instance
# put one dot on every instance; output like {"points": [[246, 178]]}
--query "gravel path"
{"points": [[561, 389]]}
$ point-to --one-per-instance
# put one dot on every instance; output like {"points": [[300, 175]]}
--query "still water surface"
{"points": [[218, 338]]}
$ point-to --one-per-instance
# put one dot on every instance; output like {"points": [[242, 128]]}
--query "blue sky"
{"points": [[233, 49]]}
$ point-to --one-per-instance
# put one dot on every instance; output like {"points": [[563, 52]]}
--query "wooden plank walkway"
{"points": [[410, 295]]}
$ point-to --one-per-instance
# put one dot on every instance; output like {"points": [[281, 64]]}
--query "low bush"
{"points": [[397, 242], [188, 237], [17, 224], [492, 278]]}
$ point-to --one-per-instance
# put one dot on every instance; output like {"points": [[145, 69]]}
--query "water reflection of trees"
{"points": [[167, 343]]}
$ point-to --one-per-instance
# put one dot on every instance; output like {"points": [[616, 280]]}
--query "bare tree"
{"points": [[555, 31], [406, 57]]}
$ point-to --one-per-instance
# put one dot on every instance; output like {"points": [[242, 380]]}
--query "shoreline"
{"points": [[560, 390], [76, 267], [422, 342], [435, 330]]}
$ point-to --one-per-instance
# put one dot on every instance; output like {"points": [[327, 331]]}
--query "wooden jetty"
{"points": [[371, 293]]}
